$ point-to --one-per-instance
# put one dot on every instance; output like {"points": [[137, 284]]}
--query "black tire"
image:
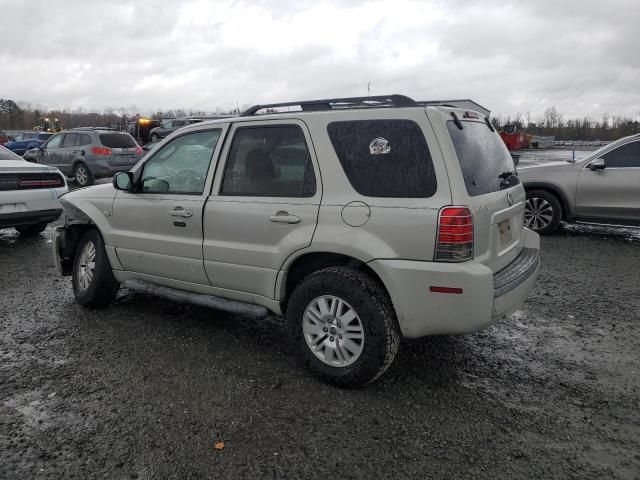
{"points": [[102, 287], [541, 205], [82, 175], [31, 230], [374, 310]]}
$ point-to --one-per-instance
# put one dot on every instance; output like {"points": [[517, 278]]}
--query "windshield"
{"points": [[6, 154], [484, 158]]}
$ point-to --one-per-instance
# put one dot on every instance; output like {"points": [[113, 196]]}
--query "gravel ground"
{"points": [[147, 387]]}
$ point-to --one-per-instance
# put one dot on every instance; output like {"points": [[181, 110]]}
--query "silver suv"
{"points": [[360, 220], [90, 153], [602, 188]]}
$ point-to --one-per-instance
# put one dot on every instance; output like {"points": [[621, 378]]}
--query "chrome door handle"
{"points": [[179, 212], [284, 217]]}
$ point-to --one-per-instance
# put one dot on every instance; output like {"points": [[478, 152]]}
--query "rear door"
{"points": [[264, 205], [157, 231], [483, 178], [613, 193], [66, 152]]}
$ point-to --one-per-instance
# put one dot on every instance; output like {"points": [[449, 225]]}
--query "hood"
{"points": [[105, 190]]}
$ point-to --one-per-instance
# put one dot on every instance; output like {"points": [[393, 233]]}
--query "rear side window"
{"points": [[484, 159], [626, 156], [117, 140], [384, 158], [69, 140], [83, 139]]}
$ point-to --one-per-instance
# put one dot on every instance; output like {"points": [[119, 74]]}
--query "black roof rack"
{"points": [[338, 104]]}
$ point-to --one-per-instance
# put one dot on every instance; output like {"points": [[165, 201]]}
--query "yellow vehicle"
{"points": [[49, 125]]}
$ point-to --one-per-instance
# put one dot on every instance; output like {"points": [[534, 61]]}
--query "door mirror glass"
{"points": [[123, 181], [597, 164]]}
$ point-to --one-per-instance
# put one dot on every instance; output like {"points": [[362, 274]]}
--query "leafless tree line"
{"points": [[554, 123], [25, 116]]}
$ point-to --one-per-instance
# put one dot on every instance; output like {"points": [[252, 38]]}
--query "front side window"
{"points": [[384, 158], [54, 142], [271, 161], [626, 156], [181, 166]]}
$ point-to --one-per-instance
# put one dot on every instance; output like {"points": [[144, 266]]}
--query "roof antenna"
{"points": [[369, 88]]}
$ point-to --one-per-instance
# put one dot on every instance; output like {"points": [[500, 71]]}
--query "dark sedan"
{"points": [[27, 140]]}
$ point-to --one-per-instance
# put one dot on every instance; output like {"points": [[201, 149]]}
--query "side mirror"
{"points": [[516, 158], [597, 164], [123, 181]]}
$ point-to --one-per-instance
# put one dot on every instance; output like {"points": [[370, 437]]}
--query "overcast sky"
{"points": [[581, 56]]}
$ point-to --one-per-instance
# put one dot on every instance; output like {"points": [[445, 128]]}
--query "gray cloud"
{"points": [[510, 56]]}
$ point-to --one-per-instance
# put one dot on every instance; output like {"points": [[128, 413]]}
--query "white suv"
{"points": [[360, 220]]}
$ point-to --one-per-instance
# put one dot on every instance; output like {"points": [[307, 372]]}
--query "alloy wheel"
{"points": [[81, 175], [538, 213], [333, 331], [86, 265]]}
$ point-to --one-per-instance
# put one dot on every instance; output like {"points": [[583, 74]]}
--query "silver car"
{"points": [[360, 220], [89, 153], [603, 188]]}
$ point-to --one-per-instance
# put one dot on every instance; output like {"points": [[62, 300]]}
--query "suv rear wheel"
{"points": [[93, 282], [543, 211], [343, 326], [82, 175]]}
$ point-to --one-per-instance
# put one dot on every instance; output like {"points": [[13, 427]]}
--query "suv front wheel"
{"points": [[343, 326], [94, 285]]}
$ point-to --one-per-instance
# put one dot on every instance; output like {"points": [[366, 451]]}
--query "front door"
{"points": [[612, 193], [51, 152], [158, 229], [264, 206]]}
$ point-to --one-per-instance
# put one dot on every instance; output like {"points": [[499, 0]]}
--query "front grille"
{"points": [[30, 181], [517, 272]]}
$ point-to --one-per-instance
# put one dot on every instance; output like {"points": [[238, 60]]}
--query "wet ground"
{"points": [[146, 388]]}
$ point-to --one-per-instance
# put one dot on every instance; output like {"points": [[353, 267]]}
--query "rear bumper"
{"points": [[16, 219], [485, 297]]}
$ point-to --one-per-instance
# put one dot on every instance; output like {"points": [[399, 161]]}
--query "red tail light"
{"points": [[101, 151], [138, 150], [54, 182], [455, 235]]}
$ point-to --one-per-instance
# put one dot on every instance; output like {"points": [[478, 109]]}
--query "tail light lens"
{"points": [[455, 235], [138, 150], [101, 151]]}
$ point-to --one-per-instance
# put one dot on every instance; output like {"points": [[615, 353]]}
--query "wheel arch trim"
{"points": [[558, 191]]}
